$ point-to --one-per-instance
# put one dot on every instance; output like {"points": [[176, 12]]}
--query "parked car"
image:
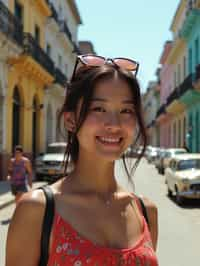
{"points": [[168, 155], [159, 158], [50, 166], [152, 154], [183, 177]]}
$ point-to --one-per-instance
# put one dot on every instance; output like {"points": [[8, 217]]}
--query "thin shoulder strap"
{"points": [[144, 210], [47, 224]]}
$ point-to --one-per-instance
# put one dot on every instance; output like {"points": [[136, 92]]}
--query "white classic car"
{"points": [[50, 166], [183, 177]]}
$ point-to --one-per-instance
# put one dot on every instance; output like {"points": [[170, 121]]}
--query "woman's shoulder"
{"points": [[31, 204]]}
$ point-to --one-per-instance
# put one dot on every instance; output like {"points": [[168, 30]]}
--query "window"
{"points": [[49, 49], [60, 61], [184, 67], [196, 51], [19, 12], [190, 61], [37, 34]]}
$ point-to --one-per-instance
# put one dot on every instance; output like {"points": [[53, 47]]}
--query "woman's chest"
{"points": [[115, 227]]}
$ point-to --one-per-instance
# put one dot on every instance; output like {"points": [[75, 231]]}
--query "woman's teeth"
{"points": [[109, 140]]}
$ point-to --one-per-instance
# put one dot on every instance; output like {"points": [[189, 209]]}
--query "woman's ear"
{"points": [[69, 120]]}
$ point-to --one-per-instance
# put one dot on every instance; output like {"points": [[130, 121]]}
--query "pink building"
{"points": [[166, 86]]}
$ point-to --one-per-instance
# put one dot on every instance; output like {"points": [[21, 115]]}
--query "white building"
{"points": [[62, 47], [150, 105]]}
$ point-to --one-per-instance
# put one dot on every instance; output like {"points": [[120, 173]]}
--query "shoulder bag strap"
{"points": [[47, 224], [144, 210]]}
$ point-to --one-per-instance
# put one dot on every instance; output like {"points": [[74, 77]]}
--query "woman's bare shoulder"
{"points": [[26, 225]]}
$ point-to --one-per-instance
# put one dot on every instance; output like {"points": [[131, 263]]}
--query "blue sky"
{"points": [[129, 28]]}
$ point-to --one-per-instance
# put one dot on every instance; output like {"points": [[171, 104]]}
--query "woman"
{"points": [[96, 221]]}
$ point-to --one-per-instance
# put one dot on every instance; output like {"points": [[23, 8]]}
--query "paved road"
{"points": [[179, 227], [179, 234]]}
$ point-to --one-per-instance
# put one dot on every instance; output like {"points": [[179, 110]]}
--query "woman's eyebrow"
{"points": [[106, 100]]}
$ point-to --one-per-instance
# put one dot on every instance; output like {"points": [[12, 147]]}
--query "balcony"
{"points": [[32, 48], [9, 25], [186, 85], [196, 82], [173, 96], [64, 28], [191, 18], [161, 110], [60, 78], [53, 11]]}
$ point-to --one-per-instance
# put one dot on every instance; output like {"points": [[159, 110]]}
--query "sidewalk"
{"points": [[6, 198]]}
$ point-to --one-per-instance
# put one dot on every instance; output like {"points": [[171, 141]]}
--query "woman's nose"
{"points": [[112, 121]]}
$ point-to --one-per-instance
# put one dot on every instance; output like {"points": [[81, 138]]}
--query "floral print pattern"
{"points": [[70, 249]]}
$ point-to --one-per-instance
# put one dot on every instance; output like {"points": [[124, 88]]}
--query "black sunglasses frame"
{"points": [[80, 58]]}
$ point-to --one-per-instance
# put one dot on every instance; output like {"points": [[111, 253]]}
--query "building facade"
{"points": [[36, 59]]}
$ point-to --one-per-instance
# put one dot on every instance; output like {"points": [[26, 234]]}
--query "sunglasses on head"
{"points": [[91, 60]]}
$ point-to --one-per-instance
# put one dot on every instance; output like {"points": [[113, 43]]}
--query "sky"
{"points": [[128, 28]]}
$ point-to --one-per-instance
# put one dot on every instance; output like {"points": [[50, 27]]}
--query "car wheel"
{"points": [[179, 199], [169, 192], [39, 177]]}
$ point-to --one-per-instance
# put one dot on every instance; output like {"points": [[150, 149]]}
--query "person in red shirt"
{"points": [[96, 221]]}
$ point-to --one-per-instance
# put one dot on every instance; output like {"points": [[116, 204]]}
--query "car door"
{"points": [[171, 174]]}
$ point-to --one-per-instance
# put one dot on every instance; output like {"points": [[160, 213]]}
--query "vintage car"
{"points": [[50, 166], [167, 156], [183, 177]]}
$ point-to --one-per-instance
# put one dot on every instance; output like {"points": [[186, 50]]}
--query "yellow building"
{"points": [[29, 73]]}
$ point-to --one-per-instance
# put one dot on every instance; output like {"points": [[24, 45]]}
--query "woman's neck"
{"points": [[93, 175]]}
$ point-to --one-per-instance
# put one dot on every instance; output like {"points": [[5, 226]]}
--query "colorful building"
{"points": [[32, 74]]}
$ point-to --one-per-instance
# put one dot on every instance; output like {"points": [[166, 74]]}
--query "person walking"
{"points": [[95, 220], [19, 173]]}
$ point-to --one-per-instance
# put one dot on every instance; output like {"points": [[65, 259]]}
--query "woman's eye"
{"points": [[98, 109], [127, 111]]}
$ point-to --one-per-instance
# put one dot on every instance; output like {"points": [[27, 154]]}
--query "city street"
{"points": [[179, 232]]}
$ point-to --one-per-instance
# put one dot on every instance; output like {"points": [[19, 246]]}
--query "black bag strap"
{"points": [[144, 210], [46, 226]]}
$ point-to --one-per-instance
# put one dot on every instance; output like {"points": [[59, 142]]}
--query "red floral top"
{"points": [[70, 249]]}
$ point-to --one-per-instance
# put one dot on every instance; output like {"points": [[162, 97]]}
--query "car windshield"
{"points": [[56, 149], [179, 152], [189, 164]]}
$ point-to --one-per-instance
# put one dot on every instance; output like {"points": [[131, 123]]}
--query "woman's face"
{"points": [[109, 127]]}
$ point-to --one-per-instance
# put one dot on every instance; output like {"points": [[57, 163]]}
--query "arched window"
{"points": [[16, 118]]}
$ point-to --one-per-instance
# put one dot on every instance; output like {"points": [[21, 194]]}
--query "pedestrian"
{"points": [[186, 147], [19, 173], [96, 221]]}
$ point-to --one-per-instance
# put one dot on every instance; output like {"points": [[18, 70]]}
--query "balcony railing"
{"points": [[32, 48], [64, 28], [9, 25], [186, 85], [173, 96], [161, 110], [53, 10], [60, 77], [197, 72]]}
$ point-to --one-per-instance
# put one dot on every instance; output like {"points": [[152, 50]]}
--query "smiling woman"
{"points": [[96, 222]]}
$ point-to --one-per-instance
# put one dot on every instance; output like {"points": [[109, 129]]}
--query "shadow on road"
{"points": [[188, 203], [5, 222]]}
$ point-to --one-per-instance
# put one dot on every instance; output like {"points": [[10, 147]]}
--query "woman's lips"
{"points": [[109, 141]]}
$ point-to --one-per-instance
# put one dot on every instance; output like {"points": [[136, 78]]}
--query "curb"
{"points": [[6, 204]]}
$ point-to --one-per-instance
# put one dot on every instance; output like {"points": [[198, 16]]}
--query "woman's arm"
{"points": [[152, 213], [23, 239]]}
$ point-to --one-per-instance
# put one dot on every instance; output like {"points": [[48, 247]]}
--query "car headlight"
{"points": [[185, 180], [39, 163]]}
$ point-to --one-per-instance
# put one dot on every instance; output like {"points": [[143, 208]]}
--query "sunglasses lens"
{"points": [[126, 64], [92, 60]]}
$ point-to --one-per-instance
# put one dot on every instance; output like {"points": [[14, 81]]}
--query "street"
{"points": [[179, 233]]}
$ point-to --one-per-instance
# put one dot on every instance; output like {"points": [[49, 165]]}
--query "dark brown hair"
{"points": [[82, 88]]}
